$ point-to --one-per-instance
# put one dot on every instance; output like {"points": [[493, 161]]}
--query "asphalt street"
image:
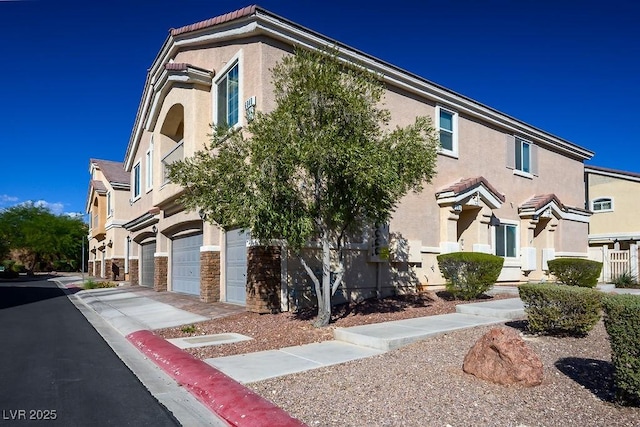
{"points": [[55, 369]]}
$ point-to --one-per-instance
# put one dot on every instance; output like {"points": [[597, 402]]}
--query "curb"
{"points": [[226, 397]]}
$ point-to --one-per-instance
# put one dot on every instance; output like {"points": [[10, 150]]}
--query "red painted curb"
{"points": [[226, 397]]}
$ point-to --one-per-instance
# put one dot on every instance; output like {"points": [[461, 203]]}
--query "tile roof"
{"points": [[245, 11], [539, 201], [469, 183], [182, 66], [98, 186], [113, 171]]}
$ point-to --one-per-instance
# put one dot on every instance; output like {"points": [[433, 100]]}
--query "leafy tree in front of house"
{"points": [[38, 238], [323, 165]]}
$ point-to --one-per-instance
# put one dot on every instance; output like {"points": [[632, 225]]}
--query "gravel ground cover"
{"points": [[423, 384]]}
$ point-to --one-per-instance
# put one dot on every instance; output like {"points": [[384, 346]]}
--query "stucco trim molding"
{"points": [[172, 75], [572, 255], [610, 237]]}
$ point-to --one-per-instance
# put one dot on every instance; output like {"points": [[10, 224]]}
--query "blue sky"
{"points": [[72, 72]]}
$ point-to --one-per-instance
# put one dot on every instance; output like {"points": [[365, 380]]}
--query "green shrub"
{"points": [[469, 274], [8, 271], [92, 284], [18, 268], [188, 329], [622, 321], [106, 285], [576, 271], [560, 309], [626, 280]]}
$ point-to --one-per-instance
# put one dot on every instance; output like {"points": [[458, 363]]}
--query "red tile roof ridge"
{"points": [[182, 66], [540, 200], [227, 17], [467, 183]]}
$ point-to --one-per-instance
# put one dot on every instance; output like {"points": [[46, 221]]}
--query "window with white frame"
{"points": [[506, 239], [109, 209], [149, 168], [447, 124], [228, 98], [136, 180], [603, 204], [523, 155]]}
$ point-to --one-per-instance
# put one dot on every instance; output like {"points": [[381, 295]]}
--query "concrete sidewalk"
{"points": [[363, 341]]}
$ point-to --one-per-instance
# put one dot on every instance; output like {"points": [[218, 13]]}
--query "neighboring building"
{"points": [[108, 188], [502, 187], [614, 229]]}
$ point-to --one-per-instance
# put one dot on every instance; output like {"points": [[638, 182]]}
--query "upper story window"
{"points": [[148, 167], [447, 125], [136, 180], [603, 204], [522, 156], [109, 208], [228, 102], [506, 240]]}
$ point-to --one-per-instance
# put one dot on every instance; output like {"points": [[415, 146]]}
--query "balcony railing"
{"points": [[172, 156]]}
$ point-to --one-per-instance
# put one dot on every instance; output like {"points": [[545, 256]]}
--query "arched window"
{"points": [[603, 204]]}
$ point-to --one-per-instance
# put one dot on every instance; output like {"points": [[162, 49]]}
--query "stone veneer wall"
{"points": [[210, 276], [160, 273], [119, 263], [263, 279], [133, 272], [90, 268]]}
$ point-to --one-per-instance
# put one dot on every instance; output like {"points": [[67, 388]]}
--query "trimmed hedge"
{"points": [[560, 309], [576, 271], [469, 274], [622, 321]]}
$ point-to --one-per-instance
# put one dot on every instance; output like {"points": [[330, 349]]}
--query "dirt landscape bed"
{"points": [[273, 331], [423, 384]]}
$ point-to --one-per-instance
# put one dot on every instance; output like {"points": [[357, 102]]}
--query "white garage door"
{"points": [[185, 264], [148, 265], [236, 266]]}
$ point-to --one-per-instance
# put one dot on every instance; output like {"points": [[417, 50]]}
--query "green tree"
{"points": [[322, 166], [38, 238]]}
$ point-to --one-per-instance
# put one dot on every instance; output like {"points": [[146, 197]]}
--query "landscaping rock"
{"points": [[502, 357]]}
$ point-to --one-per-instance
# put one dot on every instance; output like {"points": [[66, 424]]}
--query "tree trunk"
{"points": [[324, 308]]}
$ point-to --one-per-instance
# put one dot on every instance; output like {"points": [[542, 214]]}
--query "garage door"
{"points": [[236, 266], [148, 265], [185, 264]]}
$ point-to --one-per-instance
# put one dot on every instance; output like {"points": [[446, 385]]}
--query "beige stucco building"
{"points": [[502, 186], [614, 229], [107, 203]]}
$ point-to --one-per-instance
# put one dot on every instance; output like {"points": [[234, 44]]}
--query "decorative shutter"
{"points": [[511, 151], [534, 159]]}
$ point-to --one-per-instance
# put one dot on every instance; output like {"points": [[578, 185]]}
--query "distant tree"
{"points": [[38, 238], [321, 166]]}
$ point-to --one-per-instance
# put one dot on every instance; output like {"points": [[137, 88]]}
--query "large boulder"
{"points": [[502, 357]]}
